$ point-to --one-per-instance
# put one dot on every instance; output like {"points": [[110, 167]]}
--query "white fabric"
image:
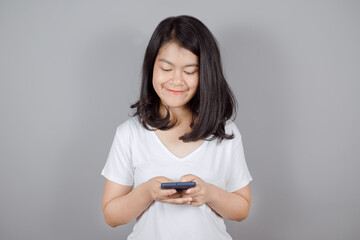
{"points": [[138, 155]]}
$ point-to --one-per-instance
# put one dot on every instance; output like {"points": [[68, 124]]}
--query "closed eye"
{"points": [[165, 69], [190, 73]]}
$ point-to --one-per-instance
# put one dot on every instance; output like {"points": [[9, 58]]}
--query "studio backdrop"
{"points": [[69, 70]]}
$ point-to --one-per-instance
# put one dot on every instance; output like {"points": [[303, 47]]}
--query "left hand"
{"points": [[200, 194]]}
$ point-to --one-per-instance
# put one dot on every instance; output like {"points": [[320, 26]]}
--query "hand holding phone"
{"points": [[178, 185]]}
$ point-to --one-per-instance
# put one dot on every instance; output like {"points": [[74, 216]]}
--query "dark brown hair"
{"points": [[213, 103]]}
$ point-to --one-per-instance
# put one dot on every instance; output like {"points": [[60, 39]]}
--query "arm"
{"points": [[121, 205], [231, 205]]}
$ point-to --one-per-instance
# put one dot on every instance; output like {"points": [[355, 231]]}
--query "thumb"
{"points": [[188, 178]]}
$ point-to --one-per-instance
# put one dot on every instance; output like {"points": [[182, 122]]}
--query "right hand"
{"points": [[165, 195]]}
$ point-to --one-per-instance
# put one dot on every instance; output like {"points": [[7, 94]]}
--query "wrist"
{"points": [[211, 193], [145, 190]]}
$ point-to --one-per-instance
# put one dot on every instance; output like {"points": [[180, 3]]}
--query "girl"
{"points": [[181, 131]]}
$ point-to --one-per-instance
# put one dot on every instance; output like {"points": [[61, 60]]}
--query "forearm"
{"points": [[228, 205], [126, 208]]}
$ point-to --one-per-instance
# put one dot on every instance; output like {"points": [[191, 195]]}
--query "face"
{"points": [[175, 75]]}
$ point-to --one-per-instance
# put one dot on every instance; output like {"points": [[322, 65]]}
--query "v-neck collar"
{"points": [[162, 145]]}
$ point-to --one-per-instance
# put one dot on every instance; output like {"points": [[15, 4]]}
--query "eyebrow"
{"points": [[188, 65]]}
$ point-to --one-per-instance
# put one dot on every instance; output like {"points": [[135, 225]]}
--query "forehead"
{"points": [[174, 53]]}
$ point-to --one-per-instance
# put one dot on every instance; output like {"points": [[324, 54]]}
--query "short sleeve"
{"points": [[119, 167], [239, 175]]}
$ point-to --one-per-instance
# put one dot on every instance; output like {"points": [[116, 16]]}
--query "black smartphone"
{"points": [[178, 185]]}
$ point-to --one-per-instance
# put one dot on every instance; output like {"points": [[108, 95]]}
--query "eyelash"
{"points": [[168, 70], [190, 73]]}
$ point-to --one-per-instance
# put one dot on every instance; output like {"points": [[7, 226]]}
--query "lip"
{"points": [[175, 92]]}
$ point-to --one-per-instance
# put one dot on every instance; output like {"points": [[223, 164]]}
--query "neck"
{"points": [[180, 114]]}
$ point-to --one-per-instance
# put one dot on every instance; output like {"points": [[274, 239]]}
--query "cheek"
{"points": [[194, 84], [158, 78], [156, 83]]}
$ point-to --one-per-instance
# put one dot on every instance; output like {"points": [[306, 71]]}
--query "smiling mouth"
{"points": [[175, 92]]}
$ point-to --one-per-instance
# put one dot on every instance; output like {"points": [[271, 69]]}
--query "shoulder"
{"points": [[231, 128], [129, 127]]}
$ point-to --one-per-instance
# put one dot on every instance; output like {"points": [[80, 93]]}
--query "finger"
{"points": [[176, 195], [191, 191], [196, 203], [188, 178], [167, 192], [163, 179], [186, 200]]}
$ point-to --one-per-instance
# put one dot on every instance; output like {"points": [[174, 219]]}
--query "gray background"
{"points": [[70, 69]]}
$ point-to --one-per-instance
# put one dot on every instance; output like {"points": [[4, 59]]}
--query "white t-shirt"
{"points": [[138, 155]]}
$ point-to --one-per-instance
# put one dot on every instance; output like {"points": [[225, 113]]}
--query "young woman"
{"points": [[181, 131]]}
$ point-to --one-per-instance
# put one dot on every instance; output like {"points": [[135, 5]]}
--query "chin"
{"points": [[175, 104]]}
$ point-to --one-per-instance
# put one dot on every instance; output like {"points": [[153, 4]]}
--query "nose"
{"points": [[178, 78]]}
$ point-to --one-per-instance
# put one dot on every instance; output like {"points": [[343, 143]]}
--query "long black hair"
{"points": [[213, 103]]}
